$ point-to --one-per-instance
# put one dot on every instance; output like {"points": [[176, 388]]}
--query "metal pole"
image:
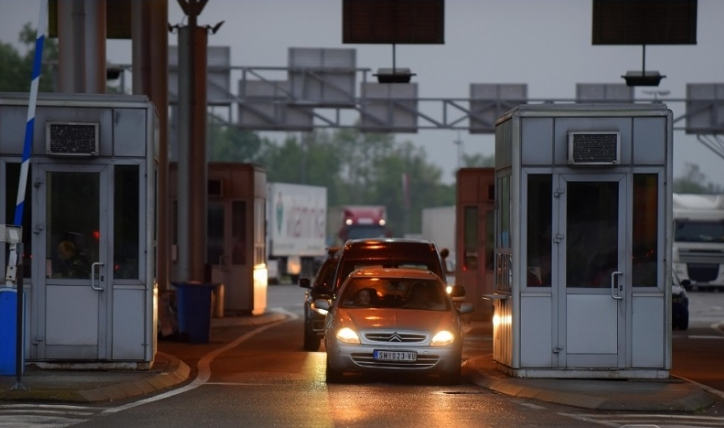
{"points": [[16, 249]]}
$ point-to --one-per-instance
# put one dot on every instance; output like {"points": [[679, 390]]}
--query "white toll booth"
{"points": [[88, 228], [583, 241]]}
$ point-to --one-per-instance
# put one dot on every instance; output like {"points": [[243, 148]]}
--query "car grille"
{"points": [[395, 337], [423, 361], [703, 272], [693, 256]]}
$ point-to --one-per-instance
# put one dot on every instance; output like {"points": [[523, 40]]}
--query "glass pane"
{"points": [[238, 232], [489, 239], [259, 231], [12, 179], [126, 217], [73, 223], [645, 227], [540, 204], [215, 231], [592, 233], [503, 204], [470, 237]]}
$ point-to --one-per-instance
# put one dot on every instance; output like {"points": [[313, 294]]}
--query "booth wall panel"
{"points": [[649, 138], [129, 132], [648, 324], [536, 331], [537, 141], [128, 324]]}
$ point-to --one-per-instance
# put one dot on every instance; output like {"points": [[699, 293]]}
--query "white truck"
{"points": [[296, 229], [698, 248]]}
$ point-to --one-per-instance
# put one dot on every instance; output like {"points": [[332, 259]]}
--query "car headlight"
{"points": [[443, 338], [347, 335]]}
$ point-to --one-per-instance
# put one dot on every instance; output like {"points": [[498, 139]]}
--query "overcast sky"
{"points": [[543, 43]]}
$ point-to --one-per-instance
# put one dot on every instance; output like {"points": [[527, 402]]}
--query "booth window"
{"points": [[259, 231], [645, 227], [126, 204], [489, 239], [12, 179], [539, 213], [592, 216], [238, 232], [503, 252], [470, 238], [215, 222], [73, 223]]}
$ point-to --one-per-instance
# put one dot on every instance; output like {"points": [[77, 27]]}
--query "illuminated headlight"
{"points": [[347, 335], [443, 338]]}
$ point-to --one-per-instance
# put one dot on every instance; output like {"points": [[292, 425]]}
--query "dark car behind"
{"points": [[318, 287], [389, 253], [679, 304]]}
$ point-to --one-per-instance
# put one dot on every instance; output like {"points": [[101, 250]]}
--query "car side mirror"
{"points": [[466, 308], [305, 283], [321, 305]]}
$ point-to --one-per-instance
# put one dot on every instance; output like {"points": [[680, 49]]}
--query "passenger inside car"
{"points": [[365, 297]]}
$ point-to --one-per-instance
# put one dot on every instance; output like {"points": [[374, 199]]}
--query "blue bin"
{"points": [[8, 330], [193, 304]]}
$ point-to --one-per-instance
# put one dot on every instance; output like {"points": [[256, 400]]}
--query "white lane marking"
{"points": [[204, 371], [47, 406], [532, 406], [631, 420]]}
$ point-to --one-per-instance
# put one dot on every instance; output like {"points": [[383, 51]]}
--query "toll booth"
{"points": [[474, 230], [88, 225], [236, 240], [583, 241]]}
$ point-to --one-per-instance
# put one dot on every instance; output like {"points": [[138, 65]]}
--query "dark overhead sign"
{"points": [[644, 22], [393, 21]]}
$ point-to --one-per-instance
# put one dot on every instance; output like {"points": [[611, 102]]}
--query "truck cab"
{"points": [[698, 247]]}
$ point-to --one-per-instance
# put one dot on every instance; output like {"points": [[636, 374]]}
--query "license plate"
{"points": [[394, 356]]}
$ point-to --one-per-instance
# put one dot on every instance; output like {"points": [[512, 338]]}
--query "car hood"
{"points": [[397, 319]]}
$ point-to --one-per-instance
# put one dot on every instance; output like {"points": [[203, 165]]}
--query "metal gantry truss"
{"points": [[307, 98]]}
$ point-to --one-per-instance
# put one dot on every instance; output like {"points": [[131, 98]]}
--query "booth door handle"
{"points": [[616, 287], [93, 275]]}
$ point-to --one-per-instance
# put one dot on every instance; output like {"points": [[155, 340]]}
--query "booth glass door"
{"points": [[72, 235], [594, 285], [227, 254]]}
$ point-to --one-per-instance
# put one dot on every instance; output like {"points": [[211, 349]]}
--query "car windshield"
{"points": [[402, 293], [699, 231]]}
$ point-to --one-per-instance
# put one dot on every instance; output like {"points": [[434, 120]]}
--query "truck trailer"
{"points": [[296, 230], [698, 247]]}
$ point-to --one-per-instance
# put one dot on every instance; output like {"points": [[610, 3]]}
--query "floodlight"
{"points": [[11, 234], [638, 78], [394, 75]]}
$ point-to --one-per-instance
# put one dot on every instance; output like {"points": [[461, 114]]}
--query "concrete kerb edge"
{"points": [[177, 373]]}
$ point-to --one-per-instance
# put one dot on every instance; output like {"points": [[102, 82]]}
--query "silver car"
{"points": [[394, 320]]}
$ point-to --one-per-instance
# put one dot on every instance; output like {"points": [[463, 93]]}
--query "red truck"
{"points": [[356, 221]]}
